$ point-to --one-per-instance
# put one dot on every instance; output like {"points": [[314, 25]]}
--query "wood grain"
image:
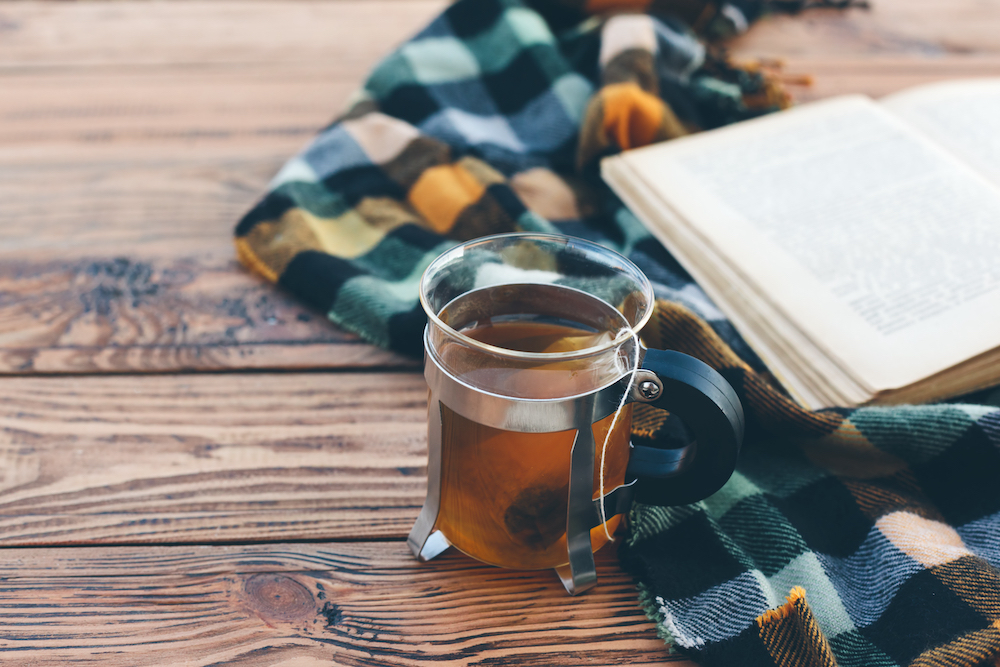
{"points": [[44, 35], [211, 458], [131, 141], [311, 604], [890, 30], [162, 314], [134, 135], [893, 45]]}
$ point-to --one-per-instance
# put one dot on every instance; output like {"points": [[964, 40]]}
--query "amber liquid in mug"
{"points": [[504, 494]]}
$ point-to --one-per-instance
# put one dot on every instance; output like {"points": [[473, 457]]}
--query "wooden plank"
{"points": [[211, 458], [839, 77], [139, 133], [892, 46], [276, 107], [919, 30], [43, 35], [96, 72], [310, 604], [40, 35], [133, 269], [116, 314], [131, 141]]}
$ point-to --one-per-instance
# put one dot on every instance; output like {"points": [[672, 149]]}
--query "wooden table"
{"points": [[196, 470]]}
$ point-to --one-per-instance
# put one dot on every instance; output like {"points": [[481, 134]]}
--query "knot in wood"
{"points": [[279, 598]]}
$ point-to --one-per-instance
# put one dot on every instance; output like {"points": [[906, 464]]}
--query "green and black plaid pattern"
{"points": [[850, 537], [880, 525], [474, 127]]}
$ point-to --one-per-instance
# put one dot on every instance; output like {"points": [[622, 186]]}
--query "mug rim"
{"points": [[566, 241]]}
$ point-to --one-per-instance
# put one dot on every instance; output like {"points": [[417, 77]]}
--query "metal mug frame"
{"points": [[663, 473], [577, 413]]}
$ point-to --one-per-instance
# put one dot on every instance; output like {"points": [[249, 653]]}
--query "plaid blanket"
{"points": [[851, 537]]}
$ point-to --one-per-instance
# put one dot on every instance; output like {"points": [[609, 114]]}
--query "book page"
{"points": [[963, 116], [807, 374], [875, 242]]}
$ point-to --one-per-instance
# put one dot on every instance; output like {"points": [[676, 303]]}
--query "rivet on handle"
{"points": [[647, 387]]}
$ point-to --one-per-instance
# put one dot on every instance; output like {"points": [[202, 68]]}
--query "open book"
{"points": [[854, 244]]}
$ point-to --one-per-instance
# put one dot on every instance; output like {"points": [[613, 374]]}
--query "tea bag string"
{"points": [[611, 429]]}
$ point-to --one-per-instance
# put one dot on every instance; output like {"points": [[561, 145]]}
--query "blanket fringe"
{"points": [[782, 612]]}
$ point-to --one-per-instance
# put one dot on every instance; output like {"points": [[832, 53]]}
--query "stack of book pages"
{"points": [[854, 244]]}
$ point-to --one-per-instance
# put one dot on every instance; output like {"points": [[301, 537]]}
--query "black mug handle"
{"points": [[712, 413]]}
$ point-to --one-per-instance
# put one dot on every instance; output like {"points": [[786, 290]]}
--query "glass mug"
{"points": [[533, 361]]}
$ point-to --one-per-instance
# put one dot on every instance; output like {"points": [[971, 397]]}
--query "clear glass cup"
{"points": [[531, 346]]}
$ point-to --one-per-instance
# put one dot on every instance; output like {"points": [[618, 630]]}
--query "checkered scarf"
{"points": [[851, 537]]}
